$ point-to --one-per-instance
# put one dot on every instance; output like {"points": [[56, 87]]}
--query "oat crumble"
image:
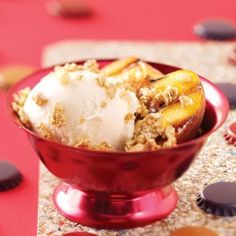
{"points": [[18, 104], [90, 145], [151, 133], [129, 117], [91, 65], [44, 131], [58, 117], [39, 99], [103, 104]]}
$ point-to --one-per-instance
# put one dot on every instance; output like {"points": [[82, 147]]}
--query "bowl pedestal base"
{"points": [[102, 210]]}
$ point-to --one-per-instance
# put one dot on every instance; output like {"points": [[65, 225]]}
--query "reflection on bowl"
{"points": [[120, 189]]}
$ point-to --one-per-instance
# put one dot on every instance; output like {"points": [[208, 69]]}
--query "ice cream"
{"points": [[74, 106]]}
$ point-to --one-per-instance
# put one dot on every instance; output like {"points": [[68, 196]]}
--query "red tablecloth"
{"points": [[25, 28]]}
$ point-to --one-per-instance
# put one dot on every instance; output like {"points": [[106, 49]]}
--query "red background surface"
{"points": [[25, 28]]}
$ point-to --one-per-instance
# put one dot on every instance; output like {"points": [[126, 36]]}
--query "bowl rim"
{"points": [[16, 121]]}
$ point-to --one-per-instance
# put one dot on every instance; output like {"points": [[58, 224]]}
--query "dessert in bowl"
{"points": [[117, 135]]}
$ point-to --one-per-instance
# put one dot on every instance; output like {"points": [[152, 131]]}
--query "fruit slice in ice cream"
{"points": [[172, 107]]}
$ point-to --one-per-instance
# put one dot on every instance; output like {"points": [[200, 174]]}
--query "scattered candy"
{"points": [[193, 231], [215, 29], [230, 135], [218, 199], [10, 75], [68, 8], [230, 91], [10, 177]]}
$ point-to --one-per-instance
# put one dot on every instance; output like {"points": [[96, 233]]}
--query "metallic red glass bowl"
{"points": [[119, 189]]}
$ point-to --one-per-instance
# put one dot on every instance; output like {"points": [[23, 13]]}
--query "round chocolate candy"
{"points": [[193, 231], [10, 177], [230, 91], [230, 135], [218, 199], [68, 8], [215, 29]]}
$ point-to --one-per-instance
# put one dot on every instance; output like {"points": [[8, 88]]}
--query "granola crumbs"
{"points": [[91, 65], [152, 100], [58, 117], [44, 131], [151, 133], [90, 145], [101, 80], [128, 117], [70, 67], [18, 104], [63, 76], [81, 120], [103, 104], [111, 91], [39, 99]]}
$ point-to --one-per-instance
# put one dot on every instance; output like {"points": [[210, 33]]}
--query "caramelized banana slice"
{"points": [[118, 65]]}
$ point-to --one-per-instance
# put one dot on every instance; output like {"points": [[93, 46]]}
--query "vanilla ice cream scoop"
{"points": [[72, 105]]}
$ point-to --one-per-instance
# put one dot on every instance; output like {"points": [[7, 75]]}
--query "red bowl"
{"points": [[120, 189]]}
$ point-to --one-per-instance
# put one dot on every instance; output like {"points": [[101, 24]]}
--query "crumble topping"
{"points": [[63, 76], [58, 117], [79, 77], [101, 80], [103, 104], [91, 65], [81, 120], [90, 145], [152, 100], [69, 67], [39, 99], [44, 131], [111, 91], [129, 117], [18, 104], [151, 133]]}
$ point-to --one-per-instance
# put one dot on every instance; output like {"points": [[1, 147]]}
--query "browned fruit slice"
{"points": [[186, 115], [179, 98], [138, 75], [150, 71], [117, 66], [183, 80]]}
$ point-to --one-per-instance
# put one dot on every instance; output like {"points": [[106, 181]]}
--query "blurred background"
{"points": [[27, 26]]}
